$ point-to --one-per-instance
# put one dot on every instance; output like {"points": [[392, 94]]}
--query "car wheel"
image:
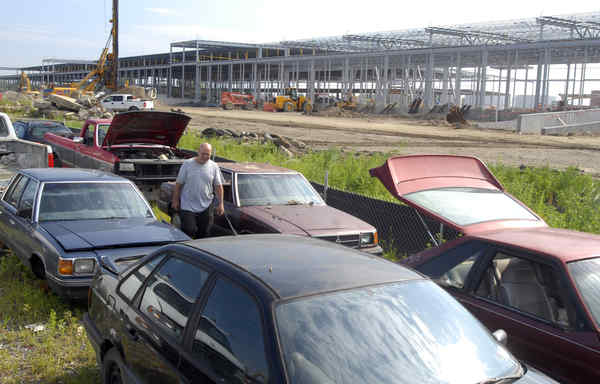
{"points": [[37, 267], [133, 108], [112, 368]]}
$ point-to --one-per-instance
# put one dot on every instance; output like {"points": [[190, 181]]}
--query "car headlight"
{"points": [[367, 238], [126, 167], [84, 266]]}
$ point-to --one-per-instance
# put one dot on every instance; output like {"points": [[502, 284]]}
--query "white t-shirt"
{"points": [[199, 181]]}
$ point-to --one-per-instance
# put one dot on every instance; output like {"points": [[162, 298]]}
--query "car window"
{"points": [[102, 130], [129, 98], [107, 100], [452, 268], [526, 286], [28, 195], [15, 192], [229, 336], [117, 98], [134, 281], [400, 333], [586, 274], [170, 294], [227, 193], [4, 128], [275, 189]]}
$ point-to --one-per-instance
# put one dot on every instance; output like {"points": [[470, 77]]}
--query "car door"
{"points": [[118, 104], [155, 326], [227, 343], [25, 240], [8, 210], [529, 297]]}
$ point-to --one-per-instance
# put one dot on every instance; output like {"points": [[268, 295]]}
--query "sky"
{"points": [[33, 30]]}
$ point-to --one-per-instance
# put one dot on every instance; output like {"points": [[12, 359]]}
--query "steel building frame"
{"points": [[505, 64]]}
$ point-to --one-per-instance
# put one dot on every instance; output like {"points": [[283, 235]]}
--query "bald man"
{"points": [[195, 187]]}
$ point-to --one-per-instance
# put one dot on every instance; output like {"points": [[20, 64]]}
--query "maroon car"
{"points": [[263, 198], [540, 284]]}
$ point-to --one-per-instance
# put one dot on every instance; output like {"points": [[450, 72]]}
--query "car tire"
{"points": [[113, 368], [37, 267]]}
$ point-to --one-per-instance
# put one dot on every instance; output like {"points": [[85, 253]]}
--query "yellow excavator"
{"points": [[25, 85]]}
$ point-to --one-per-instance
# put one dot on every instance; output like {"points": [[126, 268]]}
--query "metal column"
{"points": [[458, 80], [483, 78], [429, 82]]}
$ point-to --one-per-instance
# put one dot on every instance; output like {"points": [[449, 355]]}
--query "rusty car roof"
{"points": [[254, 168], [563, 244]]}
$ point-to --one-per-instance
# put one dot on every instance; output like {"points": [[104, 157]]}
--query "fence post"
{"points": [[325, 186]]}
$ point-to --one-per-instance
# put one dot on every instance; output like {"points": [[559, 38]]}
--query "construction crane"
{"points": [[107, 66]]}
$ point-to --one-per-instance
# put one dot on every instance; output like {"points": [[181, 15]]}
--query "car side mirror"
{"points": [[78, 139], [500, 336], [25, 213]]}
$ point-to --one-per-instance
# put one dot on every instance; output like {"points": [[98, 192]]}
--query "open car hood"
{"points": [[164, 128], [459, 191]]}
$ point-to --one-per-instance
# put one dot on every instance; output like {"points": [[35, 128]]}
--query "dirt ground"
{"points": [[405, 136]]}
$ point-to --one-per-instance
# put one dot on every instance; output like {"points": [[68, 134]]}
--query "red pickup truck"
{"points": [[141, 146]]}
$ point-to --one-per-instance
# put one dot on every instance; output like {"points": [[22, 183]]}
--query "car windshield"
{"points": [[89, 201], [466, 206], [388, 334], [586, 274], [275, 189]]}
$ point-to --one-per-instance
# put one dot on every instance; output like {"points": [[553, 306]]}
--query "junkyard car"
{"points": [[540, 284], [285, 309], [61, 222], [263, 198], [140, 146], [34, 130]]}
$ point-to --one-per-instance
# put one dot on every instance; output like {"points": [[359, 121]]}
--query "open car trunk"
{"points": [[458, 191]]}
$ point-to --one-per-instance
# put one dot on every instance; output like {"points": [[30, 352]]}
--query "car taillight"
{"points": [[51, 160], [144, 104]]}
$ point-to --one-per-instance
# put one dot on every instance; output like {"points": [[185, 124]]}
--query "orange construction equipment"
{"points": [[230, 100]]}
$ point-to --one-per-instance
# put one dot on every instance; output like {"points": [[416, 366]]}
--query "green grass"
{"points": [[61, 353], [564, 199]]}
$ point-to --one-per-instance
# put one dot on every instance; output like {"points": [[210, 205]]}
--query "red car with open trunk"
{"points": [[540, 284]]}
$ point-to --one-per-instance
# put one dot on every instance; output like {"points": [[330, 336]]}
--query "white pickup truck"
{"points": [[126, 102]]}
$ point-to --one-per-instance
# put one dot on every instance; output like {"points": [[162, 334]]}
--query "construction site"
{"points": [[502, 65], [534, 76]]}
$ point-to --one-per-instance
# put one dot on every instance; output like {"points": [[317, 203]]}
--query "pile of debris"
{"points": [[54, 107], [287, 145]]}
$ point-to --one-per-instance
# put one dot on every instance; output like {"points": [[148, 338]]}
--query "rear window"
{"points": [[466, 206]]}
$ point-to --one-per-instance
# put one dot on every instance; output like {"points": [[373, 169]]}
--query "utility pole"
{"points": [[115, 48]]}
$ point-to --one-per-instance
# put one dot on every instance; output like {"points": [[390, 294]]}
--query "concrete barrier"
{"points": [[565, 122]]}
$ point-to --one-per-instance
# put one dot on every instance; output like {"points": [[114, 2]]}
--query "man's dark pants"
{"points": [[196, 224]]}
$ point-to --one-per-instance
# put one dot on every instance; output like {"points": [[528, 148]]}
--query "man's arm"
{"points": [[221, 208], [176, 196]]}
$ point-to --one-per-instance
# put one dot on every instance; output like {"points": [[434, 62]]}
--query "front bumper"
{"points": [[376, 250], [74, 289]]}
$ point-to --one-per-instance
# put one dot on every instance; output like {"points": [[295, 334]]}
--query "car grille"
{"points": [[347, 240], [157, 170]]}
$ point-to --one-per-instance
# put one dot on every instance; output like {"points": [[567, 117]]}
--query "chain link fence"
{"points": [[400, 228]]}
